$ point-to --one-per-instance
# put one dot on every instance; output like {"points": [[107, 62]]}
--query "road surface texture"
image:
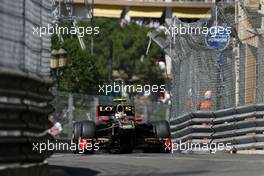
{"points": [[157, 164]]}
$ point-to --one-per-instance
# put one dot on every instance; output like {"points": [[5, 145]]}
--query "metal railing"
{"points": [[25, 99], [242, 127], [24, 106]]}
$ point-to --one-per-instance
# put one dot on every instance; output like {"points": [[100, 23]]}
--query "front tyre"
{"points": [[76, 134], [88, 129]]}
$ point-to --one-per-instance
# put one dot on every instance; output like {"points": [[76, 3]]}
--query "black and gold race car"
{"points": [[117, 130]]}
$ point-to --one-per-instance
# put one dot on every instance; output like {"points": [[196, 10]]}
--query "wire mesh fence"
{"points": [[73, 107], [24, 89], [199, 69], [233, 75], [22, 48]]}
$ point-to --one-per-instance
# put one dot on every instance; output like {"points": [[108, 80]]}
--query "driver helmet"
{"points": [[120, 115]]}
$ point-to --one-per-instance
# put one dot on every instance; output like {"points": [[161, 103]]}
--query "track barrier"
{"points": [[242, 126]]}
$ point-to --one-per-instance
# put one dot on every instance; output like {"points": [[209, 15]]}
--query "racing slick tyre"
{"points": [[88, 129], [76, 134], [161, 129]]}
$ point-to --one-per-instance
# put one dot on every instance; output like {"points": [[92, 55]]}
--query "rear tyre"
{"points": [[161, 129], [76, 134]]}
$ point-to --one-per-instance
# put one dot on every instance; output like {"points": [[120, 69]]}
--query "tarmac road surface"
{"points": [[156, 164]]}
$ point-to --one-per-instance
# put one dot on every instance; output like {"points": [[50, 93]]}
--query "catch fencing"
{"points": [[242, 127], [73, 107], [25, 99], [234, 73]]}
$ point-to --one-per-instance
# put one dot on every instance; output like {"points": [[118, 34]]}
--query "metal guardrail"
{"points": [[24, 86], [193, 126], [25, 102], [242, 126]]}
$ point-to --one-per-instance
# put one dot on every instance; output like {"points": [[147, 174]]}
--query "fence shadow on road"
{"points": [[77, 171], [70, 171]]}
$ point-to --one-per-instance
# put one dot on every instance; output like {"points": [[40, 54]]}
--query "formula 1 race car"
{"points": [[117, 130]]}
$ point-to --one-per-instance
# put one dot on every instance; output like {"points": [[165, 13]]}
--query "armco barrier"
{"points": [[193, 126], [242, 126], [24, 107], [25, 98]]}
